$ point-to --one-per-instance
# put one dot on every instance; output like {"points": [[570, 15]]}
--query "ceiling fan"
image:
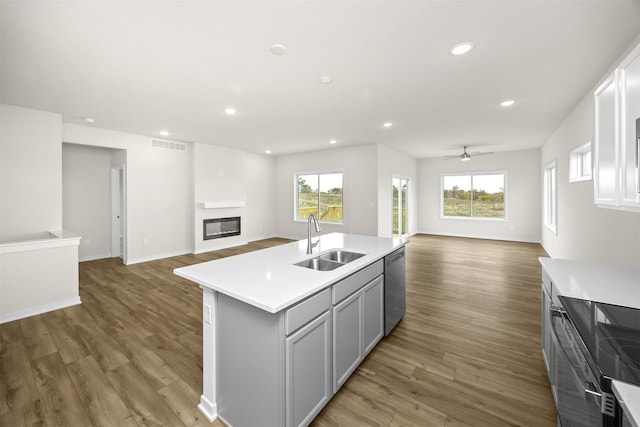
{"points": [[466, 156]]}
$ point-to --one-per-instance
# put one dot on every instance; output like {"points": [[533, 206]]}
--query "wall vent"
{"points": [[168, 145]]}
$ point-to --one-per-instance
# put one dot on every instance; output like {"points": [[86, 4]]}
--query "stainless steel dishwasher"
{"points": [[395, 297]]}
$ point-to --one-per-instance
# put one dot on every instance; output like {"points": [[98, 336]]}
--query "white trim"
{"points": [[94, 257], [476, 236], [156, 257], [546, 209], [222, 246], [37, 244], [40, 309], [504, 173], [222, 205]]}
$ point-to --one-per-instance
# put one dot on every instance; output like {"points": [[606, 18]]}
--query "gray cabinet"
{"points": [[280, 369], [358, 320], [308, 370], [277, 367]]}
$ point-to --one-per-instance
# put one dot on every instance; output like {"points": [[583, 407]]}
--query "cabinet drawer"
{"points": [[351, 284], [306, 311]]}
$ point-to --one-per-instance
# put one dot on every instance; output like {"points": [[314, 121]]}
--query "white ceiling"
{"points": [[146, 66]]}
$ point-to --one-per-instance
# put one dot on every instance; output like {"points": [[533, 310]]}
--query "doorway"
{"points": [[399, 203], [118, 247]]}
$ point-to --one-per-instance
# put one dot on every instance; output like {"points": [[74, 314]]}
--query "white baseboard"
{"points": [[269, 236], [156, 257], [223, 246], [208, 409], [476, 236], [93, 257], [32, 311]]}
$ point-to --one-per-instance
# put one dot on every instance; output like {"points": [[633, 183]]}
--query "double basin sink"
{"points": [[330, 260]]}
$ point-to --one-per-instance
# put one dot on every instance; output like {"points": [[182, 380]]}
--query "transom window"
{"points": [[320, 194], [477, 195], [580, 163]]}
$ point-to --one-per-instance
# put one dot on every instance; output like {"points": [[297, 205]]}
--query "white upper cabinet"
{"points": [[630, 137], [617, 107]]}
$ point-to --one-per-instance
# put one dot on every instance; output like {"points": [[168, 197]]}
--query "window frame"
{"points": [[505, 175], [577, 161], [295, 194], [550, 196]]}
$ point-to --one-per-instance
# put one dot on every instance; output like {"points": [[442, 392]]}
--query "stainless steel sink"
{"points": [[330, 260], [343, 257], [320, 264]]}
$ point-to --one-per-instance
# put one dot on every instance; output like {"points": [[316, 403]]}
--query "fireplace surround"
{"points": [[216, 228]]}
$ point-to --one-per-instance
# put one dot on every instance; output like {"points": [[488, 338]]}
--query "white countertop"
{"points": [[629, 398], [268, 278], [611, 284]]}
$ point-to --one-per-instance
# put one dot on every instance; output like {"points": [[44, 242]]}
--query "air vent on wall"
{"points": [[168, 145]]}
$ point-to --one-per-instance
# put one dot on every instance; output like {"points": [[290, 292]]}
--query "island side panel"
{"points": [[208, 400], [250, 364]]}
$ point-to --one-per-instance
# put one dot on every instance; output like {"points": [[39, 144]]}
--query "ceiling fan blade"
{"points": [[477, 153], [451, 157]]}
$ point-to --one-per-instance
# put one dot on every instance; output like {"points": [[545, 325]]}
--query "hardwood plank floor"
{"points": [[467, 353]]}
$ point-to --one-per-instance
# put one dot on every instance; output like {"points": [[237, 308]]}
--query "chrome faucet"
{"points": [[310, 246]]}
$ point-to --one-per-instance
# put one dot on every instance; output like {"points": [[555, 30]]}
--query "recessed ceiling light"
{"points": [[332, 141], [461, 48], [164, 133], [507, 103], [387, 124], [89, 119], [267, 151], [325, 80], [278, 49], [230, 111]]}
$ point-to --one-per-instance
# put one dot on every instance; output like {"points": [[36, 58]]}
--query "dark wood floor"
{"points": [[468, 352]]}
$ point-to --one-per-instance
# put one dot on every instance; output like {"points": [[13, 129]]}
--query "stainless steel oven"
{"points": [[581, 400]]}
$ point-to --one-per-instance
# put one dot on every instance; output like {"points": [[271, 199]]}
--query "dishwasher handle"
{"points": [[390, 259]]}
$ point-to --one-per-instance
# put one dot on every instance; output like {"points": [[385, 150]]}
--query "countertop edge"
{"points": [[345, 271]]}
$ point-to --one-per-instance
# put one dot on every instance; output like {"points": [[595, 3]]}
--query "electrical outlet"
{"points": [[145, 241], [207, 314]]}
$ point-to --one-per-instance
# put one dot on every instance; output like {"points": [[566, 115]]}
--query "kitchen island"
{"points": [[279, 339]]}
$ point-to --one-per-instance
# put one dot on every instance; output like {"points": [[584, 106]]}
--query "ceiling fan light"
{"points": [[465, 157]]}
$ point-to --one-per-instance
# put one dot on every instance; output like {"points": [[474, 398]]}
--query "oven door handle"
{"points": [[586, 387]]}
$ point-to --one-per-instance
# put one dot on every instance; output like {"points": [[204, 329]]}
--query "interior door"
{"points": [[117, 212]]}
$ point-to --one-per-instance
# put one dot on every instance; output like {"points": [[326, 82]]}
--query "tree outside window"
{"points": [[320, 194], [480, 195]]}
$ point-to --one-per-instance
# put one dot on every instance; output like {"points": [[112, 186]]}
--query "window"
{"points": [[399, 201], [476, 196], [580, 163], [550, 197], [320, 194]]}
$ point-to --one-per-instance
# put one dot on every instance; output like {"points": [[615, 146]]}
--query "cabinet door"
{"points": [[548, 349], [308, 371], [347, 338], [605, 177], [629, 149], [373, 313]]}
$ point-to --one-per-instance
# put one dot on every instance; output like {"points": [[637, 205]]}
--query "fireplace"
{"points": [[217, 228]]}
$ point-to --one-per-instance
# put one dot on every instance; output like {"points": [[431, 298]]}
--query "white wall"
{"points": [[159, 193], [523, 197], [219, 177], [360, 189], [30, 172], [261, 196], [86, 198], [585, 232], [393, 163]]}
